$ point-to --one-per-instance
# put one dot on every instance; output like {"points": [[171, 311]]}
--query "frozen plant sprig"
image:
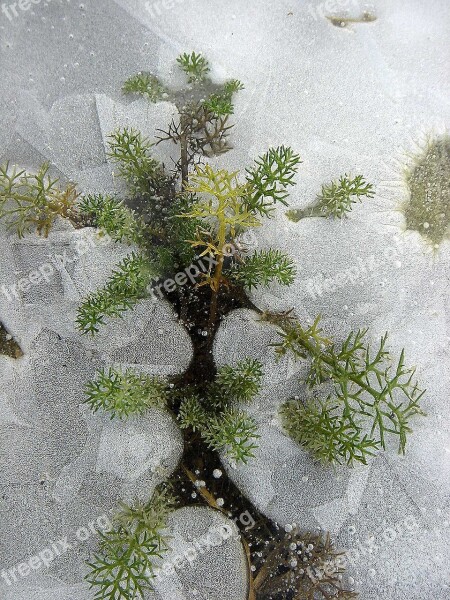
{"points": [[328, 434], [127, 285], [230, 431], [369, 388], [194, 65], [229, 207], [263, 267], [112, 216], [124, 565], [126, 393], [132, 153], [221, 104], [33, 201], [233, 432], [270, 178], [215, 415], [242, 382], [145, 84], [336, 199]]}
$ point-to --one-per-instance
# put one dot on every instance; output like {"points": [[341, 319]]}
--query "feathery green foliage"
{"points": [[263, 267], [132, 153], [124, 565], [326, 432], [192, 414], [215, 415], [242, 382], [144, 84], [227, 209], [221, 104], [233, 432], [127, 285], [194, 65], [371, 392], [269, 179], [33, 201], [336, 199], [125, 393], [111, 215]]}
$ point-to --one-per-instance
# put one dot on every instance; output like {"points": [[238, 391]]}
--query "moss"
{"points": [[428, 210]]}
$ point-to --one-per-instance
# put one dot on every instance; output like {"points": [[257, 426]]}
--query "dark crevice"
{"points": [[8, 345]]}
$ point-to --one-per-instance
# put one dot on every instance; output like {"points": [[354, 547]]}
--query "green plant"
{"points": [[132, 153], [111, 215], [336, 199], [214, 412], [221, 104], [370, 392], [263, 267], [33, 201], [125, 394], [144, 84], [176, 217], [229, 207], [124, 565], [194, 65], [126, 286], [269, 180]]}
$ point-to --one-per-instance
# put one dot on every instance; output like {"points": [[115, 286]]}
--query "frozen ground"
{"points": [[359, 98]]}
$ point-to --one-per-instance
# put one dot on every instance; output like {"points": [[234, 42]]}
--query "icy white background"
{"points": [[358, 99]]}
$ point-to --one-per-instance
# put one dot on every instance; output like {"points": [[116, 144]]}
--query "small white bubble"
{"points": [[217, 473]]}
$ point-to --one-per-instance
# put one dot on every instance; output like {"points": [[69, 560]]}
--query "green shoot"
{"points": [[124, 565], [221, 104], [326, 433], [263, 267], [269, 180], [233, 432], [369, 389], [221, 425], [132, 153], [127, 285], [111, 215], [145, 84], [194, 65], [125, 394], [32, 202], [336, 199], [242, 382]]}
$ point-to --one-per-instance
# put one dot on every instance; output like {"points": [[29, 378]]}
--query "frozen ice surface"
{"points": [[356, 99], [206, 559]]}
